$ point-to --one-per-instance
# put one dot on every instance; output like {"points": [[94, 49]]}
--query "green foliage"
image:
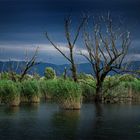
{"points": [[48, 87], [88, 84], [28, 77], [84, 76], [68, 90], [9, 76], [127, 77], [49, 73], [60, 89], [4, 76], [64, 90], [68, 94], [30, 88], [9, 90], [88, 88], [121, 86], [36, 76], [110, 82], [135, 85], [119, 90]]}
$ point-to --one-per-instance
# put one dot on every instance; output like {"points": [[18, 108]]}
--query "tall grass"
{"points": [[9, 92], [88, 88], [30, 91], [122, 86], [67, 89], [67, 93], [48, 88]]}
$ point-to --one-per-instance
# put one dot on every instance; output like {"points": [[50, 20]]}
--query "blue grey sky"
{"points": [[23, 24]]}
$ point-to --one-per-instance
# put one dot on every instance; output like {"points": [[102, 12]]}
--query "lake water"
{"points": [[93, 122]]}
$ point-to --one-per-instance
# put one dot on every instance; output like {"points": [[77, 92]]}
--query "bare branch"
{"points": [[56, 47], [104, 49], [71, 44], [78, 30], [29, 64]]}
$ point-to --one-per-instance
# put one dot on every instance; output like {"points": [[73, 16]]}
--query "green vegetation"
{"points": [[48, 88], [4, 76], [49, 73], [67, 93], [88, 89], [87, 84], [84, 76], [9, 92], [121, 88], [30, 91], [127, 78]]}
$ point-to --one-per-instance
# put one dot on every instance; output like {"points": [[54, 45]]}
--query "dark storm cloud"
{"points": [[36, 11], [65, 6], [25, 21]]}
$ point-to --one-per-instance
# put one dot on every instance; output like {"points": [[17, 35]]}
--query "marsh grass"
{"points": [[88, 88], [67, 93], [48, 88], [10, 92], [125, 86], [30, 91]]}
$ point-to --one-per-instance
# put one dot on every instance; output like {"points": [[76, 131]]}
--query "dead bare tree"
{"points": [[29, 63], [71, 44], [106, 47], [22, 68]]}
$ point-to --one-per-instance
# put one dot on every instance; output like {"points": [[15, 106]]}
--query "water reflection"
{"points": [[91, 119], [47, 122], [66, 124], [98, 115], [98, 122], [11, 110], [30, 107]]}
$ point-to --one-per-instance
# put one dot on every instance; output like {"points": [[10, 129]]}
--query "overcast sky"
{"points": [[23, 24]]}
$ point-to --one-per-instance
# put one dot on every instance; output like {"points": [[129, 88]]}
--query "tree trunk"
{"points": [[65, 73], [73, 67], [98, 92], [74, 73]]}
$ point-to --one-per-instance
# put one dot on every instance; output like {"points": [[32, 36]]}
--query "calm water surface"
{"points": [[93, 122]]}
